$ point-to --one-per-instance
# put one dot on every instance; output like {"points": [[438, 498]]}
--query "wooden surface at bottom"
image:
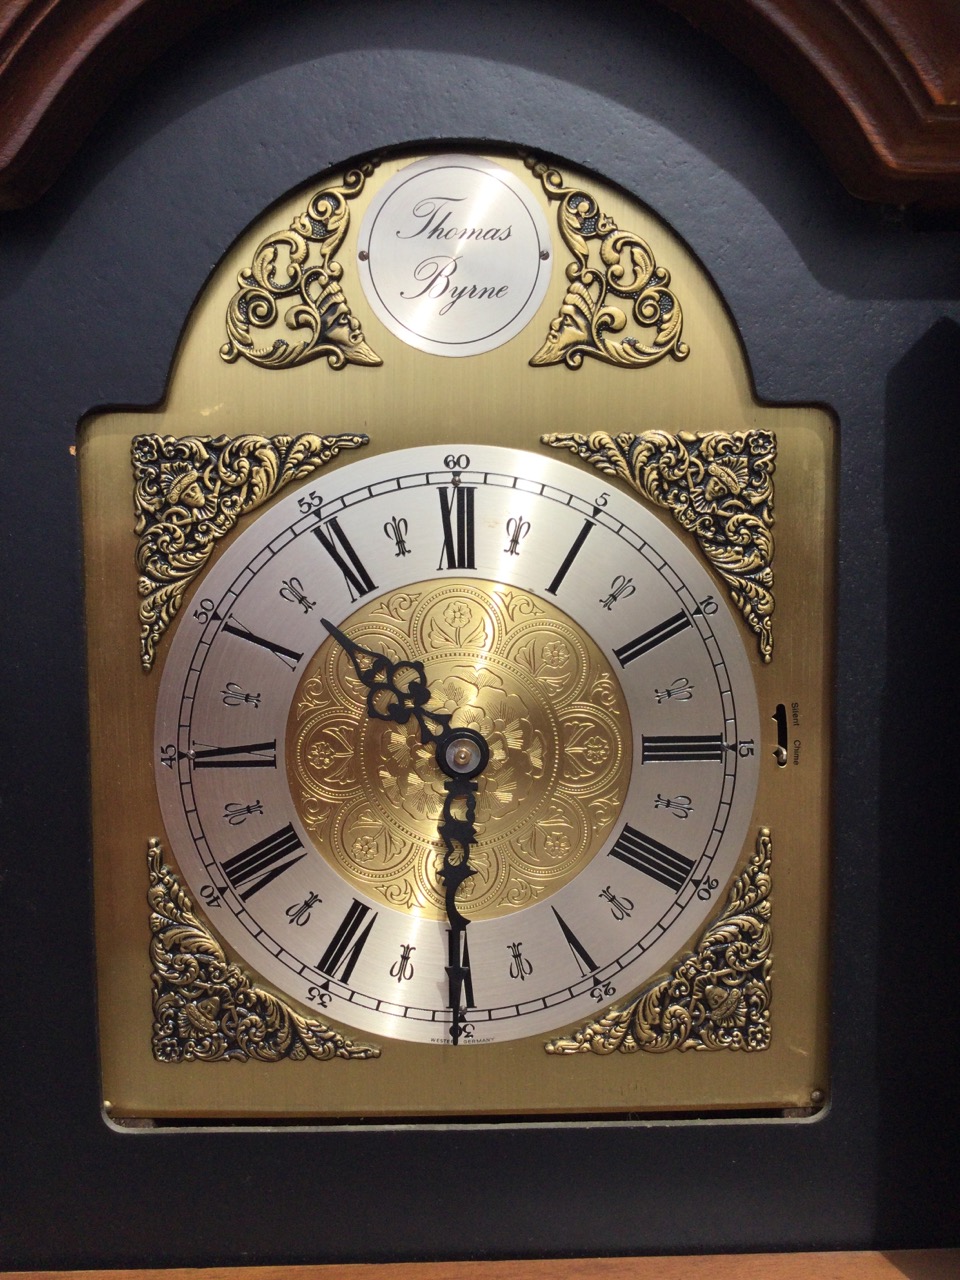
{"points": [[920, 1264]]}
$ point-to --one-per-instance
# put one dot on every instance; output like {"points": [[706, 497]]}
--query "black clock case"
{"points": [[850, 305]]}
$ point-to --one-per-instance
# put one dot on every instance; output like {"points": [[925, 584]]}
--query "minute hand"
{"points": [[458, 834], [462, 754]]}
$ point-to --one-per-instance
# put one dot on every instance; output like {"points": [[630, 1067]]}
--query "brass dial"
{"points": [[570, 631], [505, 663]]}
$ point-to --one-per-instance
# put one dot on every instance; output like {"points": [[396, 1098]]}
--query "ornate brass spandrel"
{"points": [[206, 1009], [503, 662], [716, 997], [622, 278], [190, 492], [718, 486], [296, 268]]}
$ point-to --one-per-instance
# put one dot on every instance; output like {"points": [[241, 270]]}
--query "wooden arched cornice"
{"points": [[875, 82]]}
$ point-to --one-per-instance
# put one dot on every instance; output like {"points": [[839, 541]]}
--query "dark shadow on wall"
{"points": [[445, 68], [919, 856]]}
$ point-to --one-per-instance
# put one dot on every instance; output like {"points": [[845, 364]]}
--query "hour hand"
{"points": [[396, 691]]}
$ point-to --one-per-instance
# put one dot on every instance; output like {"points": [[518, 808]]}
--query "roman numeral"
{"points": [[458, 969], [288, 657], [583, 958], [252, 755], [264, 861], [340, 958], [654, 859], [571, 555], [456, 512], [340, 549], [650, 639], [662, 750]]}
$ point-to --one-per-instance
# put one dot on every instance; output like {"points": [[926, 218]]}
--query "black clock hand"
{"points": [[461, 754], [397, 692]]}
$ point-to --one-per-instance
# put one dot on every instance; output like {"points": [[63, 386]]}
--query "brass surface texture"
{"points": [[719, 487], [206, 1009], [498, 397], [507, 665], [717, 997], [191, 492], [612, 281], [293, 287]]}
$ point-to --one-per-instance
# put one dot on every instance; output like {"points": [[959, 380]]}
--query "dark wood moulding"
{"points": [[876, 83]]}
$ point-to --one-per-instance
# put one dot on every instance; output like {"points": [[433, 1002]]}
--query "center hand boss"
{"points": [[398, 692]]}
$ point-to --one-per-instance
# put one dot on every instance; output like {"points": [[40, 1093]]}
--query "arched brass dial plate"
{"points": [[212, 750]]}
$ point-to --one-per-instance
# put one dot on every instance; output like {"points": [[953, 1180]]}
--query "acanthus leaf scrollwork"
{"points": [[625, 277], [297, 269], [206, 1009], [716, 997], [718, 486], [190, 492]]}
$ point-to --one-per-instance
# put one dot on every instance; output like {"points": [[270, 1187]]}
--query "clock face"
{"points": [[636, 862], [567, 626]]}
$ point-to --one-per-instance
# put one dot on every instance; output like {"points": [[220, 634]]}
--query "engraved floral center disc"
{"points": [[506, 664]]}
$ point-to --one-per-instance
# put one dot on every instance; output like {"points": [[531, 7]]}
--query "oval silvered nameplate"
{"points": [[454, 255]]}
